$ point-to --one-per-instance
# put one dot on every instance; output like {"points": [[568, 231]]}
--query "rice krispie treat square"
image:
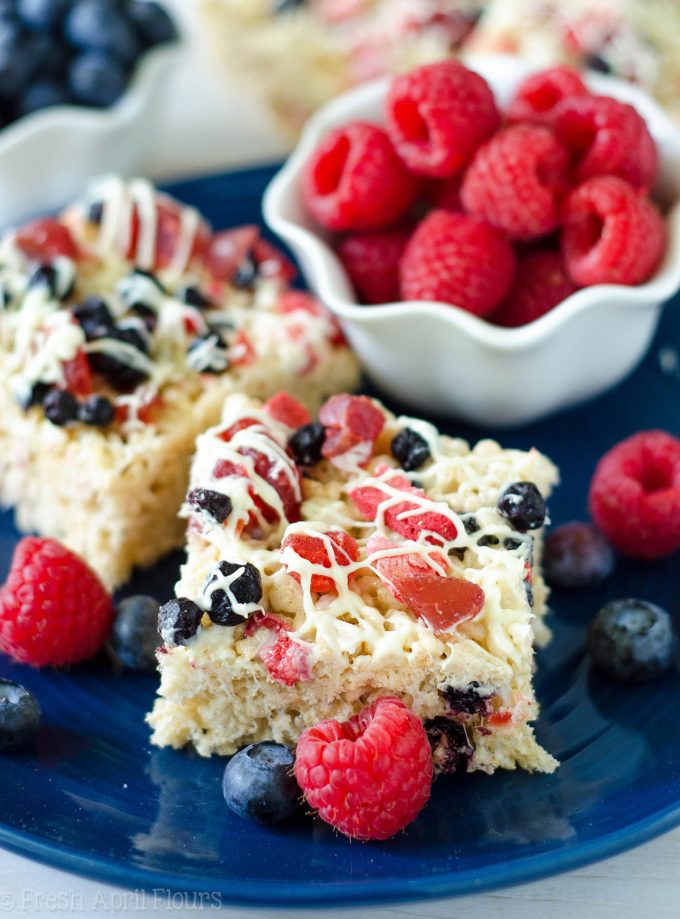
{"points": [[125, 323], [331, 563]]}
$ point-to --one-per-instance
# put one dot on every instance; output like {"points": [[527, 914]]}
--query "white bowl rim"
{"points": [[660, 288]]}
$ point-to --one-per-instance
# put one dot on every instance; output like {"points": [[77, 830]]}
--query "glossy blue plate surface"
{"points": [[98, 800]]}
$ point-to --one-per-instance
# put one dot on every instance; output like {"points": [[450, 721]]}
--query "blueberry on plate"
{"points": [[632, 640], [41, 15], [154, 25], [19, 716], [101, 25], [135, 632], [259, 784], [577, 555], [522, 504], [96, 79]]}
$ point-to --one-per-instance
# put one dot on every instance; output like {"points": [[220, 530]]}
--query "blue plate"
{"points": [[99, 801]]}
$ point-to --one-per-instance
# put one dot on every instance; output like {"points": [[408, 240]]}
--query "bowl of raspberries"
{"points": [[498, 241], [80, 85]]}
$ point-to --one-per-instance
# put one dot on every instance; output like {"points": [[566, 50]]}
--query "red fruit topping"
{"points": [[372, 262], [541, 92], [441, 602], [314, 549], [635, 495], [456, 259], [411, 519], [77, 375], [287, 661], [437, 116], [541, 282], [293, 301], [611, 234], [352, 424], [516, 181], [242, 351], [287, 410], [53, 607], [607, 137], [271, 262], [391, 568], [444, 194], [46, 239], [355, 180], [227, 250], [263, 620], [169, 231], [369, 777]]}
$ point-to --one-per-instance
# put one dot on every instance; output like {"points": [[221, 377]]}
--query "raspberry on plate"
{"points": [[372, 262], [635, 495], [606, 137], [541, 282], [611, 233], [457, 259], [516, 181], [368, 777], [53, 608], [437, 116], [355, 180], [540, 93]]}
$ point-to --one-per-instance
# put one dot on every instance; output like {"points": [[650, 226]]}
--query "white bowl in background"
{"points": [[47, 157], [441, 359]]}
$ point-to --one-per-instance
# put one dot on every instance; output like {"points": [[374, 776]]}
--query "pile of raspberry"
{"points": [[501, 214]]}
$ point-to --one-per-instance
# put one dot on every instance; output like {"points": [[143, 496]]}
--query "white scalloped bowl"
{"points": [[441, 359], [47, 157]]}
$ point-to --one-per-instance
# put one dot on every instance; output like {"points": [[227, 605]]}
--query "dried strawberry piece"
{"points": [[498, 719], [406, 564], [227, 250], [314, 550], [263, 620], [46, 239], [284, 408], [279, 481], [287, 661], [292, 301], [242, 351], [225, 468], [441, 602], [271, 262], [77, 375], [368, 498], [352, 423], [237, 426], [168, 231]]}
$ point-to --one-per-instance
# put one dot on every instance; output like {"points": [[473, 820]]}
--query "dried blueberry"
{"points": [[451, 747], [19, 716], [97, 411], [467, 700], [209, 353], [135, 637], [117, 372], [523, 505], [632, 640], [246, 273], [259, 783], [306, 443], [95, 212], [598, 63], [94, 317], [244, 589], [58, 278], [410, 449], [36, 395], [212, 502], [577, 555], [178, 621], [488, 540], [470, 523], [60, 407], [192, 296]]}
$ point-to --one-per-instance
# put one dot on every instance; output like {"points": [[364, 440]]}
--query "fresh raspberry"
{"points": [[356, 181], [352, 425], [53, 607], [317, 551], [541, 282], [517, 180], [606, 137], [369, 777], [635, 495], [284, 408], [611, 233], [46, 239], [437, 116], [540, 93], [372, 262], [444, 194], [453, 258]]}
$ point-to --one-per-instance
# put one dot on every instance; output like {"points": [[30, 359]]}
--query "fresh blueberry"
{"points": [[96, 79], [16, 64], [101, 25], [245, 589], [154, 25], [259, 783], [410, 449], [306, 443], [41, 15], [523, 505], [19, 716], [42, 94], [217, 505], [632, 640], [178, 621], [577, 555], [97, 411], [192, 296], [60, 407], [135, 632]]}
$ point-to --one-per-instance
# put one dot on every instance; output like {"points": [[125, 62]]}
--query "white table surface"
{"points": [[210, 126]]}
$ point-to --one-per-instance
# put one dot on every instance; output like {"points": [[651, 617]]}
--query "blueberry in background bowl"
{"points": [[61, 52]]}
